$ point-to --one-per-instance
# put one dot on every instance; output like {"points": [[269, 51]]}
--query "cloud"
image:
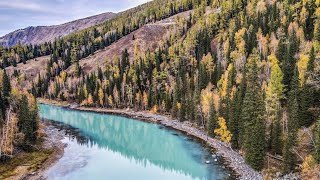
{"points": [[19, 14], [21, 5]]}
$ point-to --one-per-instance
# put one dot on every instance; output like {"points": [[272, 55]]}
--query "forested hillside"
{"points": [[246, 71], [19, 119]]}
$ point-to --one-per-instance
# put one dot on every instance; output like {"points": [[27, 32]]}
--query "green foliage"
{"points": [[6, 88], [212, 120], [33, 159], [263, 84], [274, 94], [27, 121], [276, 140], [289, 155], [253, 116]]}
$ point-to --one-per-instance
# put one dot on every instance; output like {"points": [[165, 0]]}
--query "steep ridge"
{"points": [[147, 37], [42, 34]]}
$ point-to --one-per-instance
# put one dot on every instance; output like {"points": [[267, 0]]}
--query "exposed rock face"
{"points": [[41, 34]]}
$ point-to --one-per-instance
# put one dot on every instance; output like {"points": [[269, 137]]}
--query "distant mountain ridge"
{"points": [[41, 34]]}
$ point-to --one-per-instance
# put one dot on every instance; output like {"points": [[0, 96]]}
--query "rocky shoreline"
{"points": [[234, 160]]}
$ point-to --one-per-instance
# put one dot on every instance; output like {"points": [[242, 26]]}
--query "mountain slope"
{"points": [[41, 34], [148, 37]]}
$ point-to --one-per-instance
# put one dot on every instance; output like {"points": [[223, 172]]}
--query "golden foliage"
{"points": [[110, 100], [308, 163], [154, 109], [90, 100], [206, 98], [179, 106], [101, 96], [207, 60], [145, 100], [222, 132], [302, 68], [309, 169], [223, 82]]}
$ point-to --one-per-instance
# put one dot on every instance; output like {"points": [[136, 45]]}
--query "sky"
{"points": [[19, 14]]}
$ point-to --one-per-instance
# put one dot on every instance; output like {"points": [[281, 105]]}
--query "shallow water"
{"points": [[101, 146]]}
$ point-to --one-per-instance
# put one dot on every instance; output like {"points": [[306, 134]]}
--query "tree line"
{"points": [[19, 119], [246, 71]]}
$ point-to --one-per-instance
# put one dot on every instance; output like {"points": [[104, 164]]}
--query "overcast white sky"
{"points": [[19, 14]]}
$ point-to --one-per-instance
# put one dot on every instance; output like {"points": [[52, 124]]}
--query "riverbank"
{"points": [[52, 141], [233, 158], [32, 165]]}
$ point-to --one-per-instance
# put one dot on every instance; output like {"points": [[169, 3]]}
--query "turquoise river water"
{"points": [[101, 146]]}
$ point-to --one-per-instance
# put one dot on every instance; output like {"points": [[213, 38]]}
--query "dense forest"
{"points": [[246, 71], [19, 119]]}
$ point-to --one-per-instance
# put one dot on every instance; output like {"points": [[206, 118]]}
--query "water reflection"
{"points": [[144, 144]]}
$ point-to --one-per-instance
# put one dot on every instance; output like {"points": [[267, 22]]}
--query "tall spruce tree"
{"points": [[6, 88], [239, 136], [212, 120], [25, 122], [253, 116], [274, 94], [289, 156]]}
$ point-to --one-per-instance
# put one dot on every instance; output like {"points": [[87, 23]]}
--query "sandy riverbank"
{"points": [[233, 158]]}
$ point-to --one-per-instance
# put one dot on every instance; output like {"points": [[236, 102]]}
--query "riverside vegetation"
{"points": [[246, 71]]}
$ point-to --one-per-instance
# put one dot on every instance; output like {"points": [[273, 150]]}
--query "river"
{"points": [[101, 146]]}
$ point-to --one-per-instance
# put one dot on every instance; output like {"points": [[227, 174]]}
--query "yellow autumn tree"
{"points": [[302, 67], [110, 100], [308, 163], [309, 168], [206, 98], [222, 132], [223, 82], [145, 100], [90, 100], [101, 97]]}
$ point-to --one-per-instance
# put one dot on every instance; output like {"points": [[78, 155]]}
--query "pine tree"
{"points": [[289, 156], [182, 116], [274, 94], [311, 60], [212, 120], [306, 95], [253, 116], [191, 108], [197, 108], [34, 115], [78, 69], [6, 88], [305, 102], [233, 122], [288, 64], [238, 127], [174, 112], [25, 122], [275, 136]]}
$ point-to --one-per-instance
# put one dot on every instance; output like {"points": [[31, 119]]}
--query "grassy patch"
{"points": [[32, 159]]}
